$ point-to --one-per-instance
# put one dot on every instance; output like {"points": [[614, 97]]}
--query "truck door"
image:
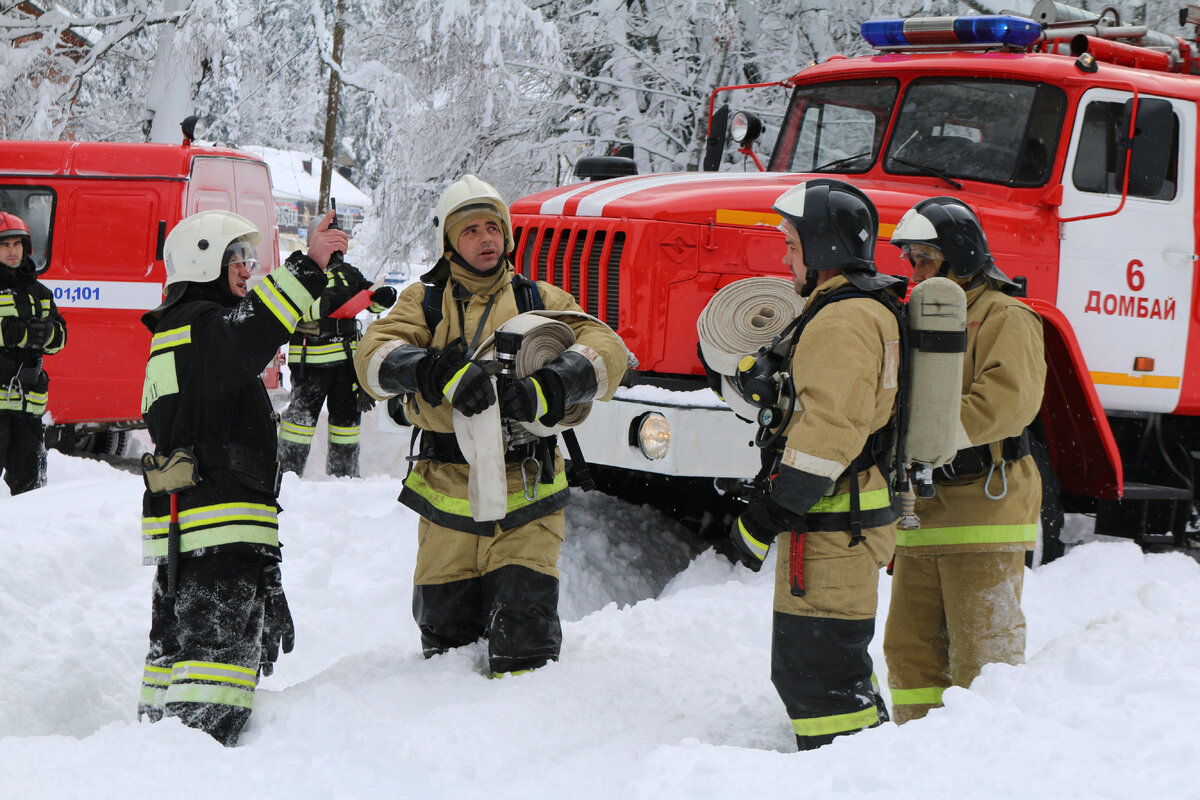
{"points": [[1126, 279]]}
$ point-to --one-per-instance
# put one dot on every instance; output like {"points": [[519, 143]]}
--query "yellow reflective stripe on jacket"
{"points": [[208, 526], [840, 503], [173, 338], [284, 296], [927, 696], [294, 432], [836, 723], [344, 434], [12, 398], [330, 353], [461, 507], [968, 534]]}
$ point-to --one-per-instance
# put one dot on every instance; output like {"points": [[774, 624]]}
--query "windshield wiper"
{"points": [[839, 161], [925, 169]]}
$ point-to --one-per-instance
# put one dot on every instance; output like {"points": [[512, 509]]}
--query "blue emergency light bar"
{"points": [[931, 32]]}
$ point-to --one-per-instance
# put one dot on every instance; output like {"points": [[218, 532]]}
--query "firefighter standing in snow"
{"points": [[956, 585], [474, 579], [827, 500], [209, 516], [30, 327], [320, 357]]}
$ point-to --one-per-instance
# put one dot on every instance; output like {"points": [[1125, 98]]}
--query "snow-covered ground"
{"points": [[663, 689]]}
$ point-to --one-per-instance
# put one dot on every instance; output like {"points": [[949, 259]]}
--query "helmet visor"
{"points": [[244, 255]]}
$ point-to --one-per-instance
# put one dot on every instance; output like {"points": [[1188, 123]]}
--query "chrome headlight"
{"points": [[651, 434]]}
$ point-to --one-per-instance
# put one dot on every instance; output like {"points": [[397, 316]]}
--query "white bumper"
{"points": [[707, 439]]}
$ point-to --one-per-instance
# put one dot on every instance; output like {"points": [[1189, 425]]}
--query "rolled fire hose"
{"points": [[481, 437], [738, 320]]}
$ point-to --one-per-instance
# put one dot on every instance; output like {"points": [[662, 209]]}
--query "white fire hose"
{"points": [[738, 320], [481, 437]]}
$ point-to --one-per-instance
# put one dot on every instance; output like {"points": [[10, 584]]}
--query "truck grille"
{"points": [[584, 260]]}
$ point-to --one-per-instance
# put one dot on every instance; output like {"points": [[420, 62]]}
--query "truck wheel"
{"points": [[1050, 524], [104, 443]]}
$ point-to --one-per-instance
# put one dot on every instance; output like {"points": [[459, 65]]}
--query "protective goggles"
{"points": [[242, 253], [921, 252]]}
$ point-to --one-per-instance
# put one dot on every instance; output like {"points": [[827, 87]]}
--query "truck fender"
{"points": [[1079, 441]]}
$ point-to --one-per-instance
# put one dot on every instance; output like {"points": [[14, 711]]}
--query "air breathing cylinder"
{"points": [[937, 339]]}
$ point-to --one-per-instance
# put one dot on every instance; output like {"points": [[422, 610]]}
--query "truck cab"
{"points": [[99, 213], [1075, 140]]}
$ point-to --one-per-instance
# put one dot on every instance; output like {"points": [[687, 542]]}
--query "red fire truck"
{"points": [[1073, 136], [99, 213]]}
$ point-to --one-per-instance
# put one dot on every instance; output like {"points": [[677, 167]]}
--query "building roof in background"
{"points": [[292, 182]]}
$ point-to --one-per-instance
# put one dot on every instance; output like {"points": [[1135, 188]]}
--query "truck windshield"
{"points": [[835, 127], [986, 130]]}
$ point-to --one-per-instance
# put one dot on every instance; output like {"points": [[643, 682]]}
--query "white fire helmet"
{"points": [[462, 195], [195, 247]]}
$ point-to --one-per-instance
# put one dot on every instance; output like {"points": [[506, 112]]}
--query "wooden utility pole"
{"points": [[331, 108]]}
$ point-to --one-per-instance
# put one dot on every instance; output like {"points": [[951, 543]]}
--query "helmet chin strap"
{"points": [[810, 282]]}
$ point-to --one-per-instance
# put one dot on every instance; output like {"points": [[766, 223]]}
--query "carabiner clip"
{"points": [[537, 471], [1003, 483]]}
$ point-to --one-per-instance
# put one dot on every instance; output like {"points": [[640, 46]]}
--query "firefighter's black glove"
{"points": [[365, 401], [352, 274], [711, 375], [384, 296], [335, 298], [751, 541], [13, 331], [539, 396], [754, 531], [278, 629], [38, 330], [450, 374]]}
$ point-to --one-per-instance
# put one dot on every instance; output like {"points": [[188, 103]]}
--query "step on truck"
{"points": [[99, 213], [1075, 138]]}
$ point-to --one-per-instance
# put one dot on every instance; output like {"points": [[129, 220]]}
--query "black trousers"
{"points": [[22, 451], [312, 387], [206, 644]]}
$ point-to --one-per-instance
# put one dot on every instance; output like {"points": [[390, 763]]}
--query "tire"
{"points": [[1050, 545]]}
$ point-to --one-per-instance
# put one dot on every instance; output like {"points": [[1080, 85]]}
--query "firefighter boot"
{"points": [[293, 456], [342, 460]]}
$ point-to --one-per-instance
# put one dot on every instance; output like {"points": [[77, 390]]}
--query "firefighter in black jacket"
{"points": [[30, 327], [209, 516], [321, 360]]}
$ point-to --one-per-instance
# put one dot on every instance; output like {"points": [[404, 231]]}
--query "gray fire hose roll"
{"points": [[738, 320]]}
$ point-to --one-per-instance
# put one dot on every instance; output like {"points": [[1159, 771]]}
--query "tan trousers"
{"points": [[950, 614], [445, 555]]}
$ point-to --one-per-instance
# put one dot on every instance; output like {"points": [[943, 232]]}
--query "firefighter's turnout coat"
{"points": [[24, 384], [320, 356], [957, 582], [845, 371], [474, 578], [203, 394]]}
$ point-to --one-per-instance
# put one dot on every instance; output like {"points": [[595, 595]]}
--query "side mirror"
{"points": [[1151, 147], [714, 146]]}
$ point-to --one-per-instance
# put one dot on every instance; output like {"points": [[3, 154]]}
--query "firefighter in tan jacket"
{"points": [[956, 586], [493, 579], [827, 500]]}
